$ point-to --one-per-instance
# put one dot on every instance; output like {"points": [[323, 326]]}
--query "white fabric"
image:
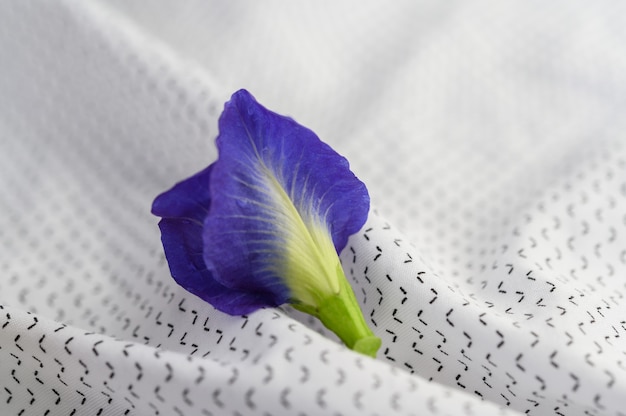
{"points": [[490, 136]]}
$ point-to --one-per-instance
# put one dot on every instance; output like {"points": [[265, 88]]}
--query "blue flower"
{"points": [[264, 224]]}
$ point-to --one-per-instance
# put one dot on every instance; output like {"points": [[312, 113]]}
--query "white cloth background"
{"points": [[490, 135]]}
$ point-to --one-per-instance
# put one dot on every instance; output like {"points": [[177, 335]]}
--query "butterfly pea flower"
{"points": [[264, 224]]}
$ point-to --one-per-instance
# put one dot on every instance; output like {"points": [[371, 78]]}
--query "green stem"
{"points": [[341, 314]]}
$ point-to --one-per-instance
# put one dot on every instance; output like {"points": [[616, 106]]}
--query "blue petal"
{"points": [[277, 190], [188, 199], [184, 208]]}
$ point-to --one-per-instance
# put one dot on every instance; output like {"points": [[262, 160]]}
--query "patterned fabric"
{"points": [[492, 266]]}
